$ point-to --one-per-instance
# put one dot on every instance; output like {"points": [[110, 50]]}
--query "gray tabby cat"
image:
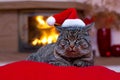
{"points": [[72, 48]]}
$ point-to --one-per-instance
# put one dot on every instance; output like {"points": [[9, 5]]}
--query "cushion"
{"points": [[28, 70]]}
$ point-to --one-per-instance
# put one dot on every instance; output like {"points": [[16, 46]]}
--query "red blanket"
{"points": [[27, 70]]}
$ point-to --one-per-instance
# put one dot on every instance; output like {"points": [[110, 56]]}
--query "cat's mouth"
{"points": [[69, 56], [72, 51]]}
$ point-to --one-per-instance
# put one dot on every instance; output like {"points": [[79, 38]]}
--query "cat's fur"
{"points": [[72, 48]]}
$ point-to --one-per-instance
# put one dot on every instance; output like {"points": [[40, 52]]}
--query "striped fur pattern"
{"points": [[73, 48]]}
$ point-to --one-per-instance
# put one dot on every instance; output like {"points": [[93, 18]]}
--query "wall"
{"points": [[9, 20], [35, 0], [8, 31], [112, 5]]}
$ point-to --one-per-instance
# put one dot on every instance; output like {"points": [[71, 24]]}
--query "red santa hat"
{"points": [[66, 18]]}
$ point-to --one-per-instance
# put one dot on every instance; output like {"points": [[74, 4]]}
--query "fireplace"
{"points": [[16, 26], [34, 32]]}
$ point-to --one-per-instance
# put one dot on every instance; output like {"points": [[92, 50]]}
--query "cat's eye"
{"points": [[82, 42], [79, 41], [84, 45], [66, 40], [63, 42]]}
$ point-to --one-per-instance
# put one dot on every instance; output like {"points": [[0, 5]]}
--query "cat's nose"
{"points": [[72, 46]]}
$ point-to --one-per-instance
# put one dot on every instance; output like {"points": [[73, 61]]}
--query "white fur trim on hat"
{"points": [[51, 21], [73, 22]]}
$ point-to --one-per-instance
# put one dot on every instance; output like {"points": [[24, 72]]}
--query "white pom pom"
{"points": [[51, 21]]}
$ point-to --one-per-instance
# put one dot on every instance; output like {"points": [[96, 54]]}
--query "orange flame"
{"points": [[48, 33]]}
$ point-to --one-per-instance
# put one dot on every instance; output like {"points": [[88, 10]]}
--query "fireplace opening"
{"points": [[40, 33], [35, 33]]}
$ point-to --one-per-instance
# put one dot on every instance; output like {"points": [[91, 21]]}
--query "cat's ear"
{"points": [[59, 28], [89, 26]]}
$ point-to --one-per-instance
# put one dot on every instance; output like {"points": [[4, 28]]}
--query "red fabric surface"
{"points": [[27, 70]]}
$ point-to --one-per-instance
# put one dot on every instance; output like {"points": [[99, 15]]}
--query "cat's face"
{"points": [[73, 41]]}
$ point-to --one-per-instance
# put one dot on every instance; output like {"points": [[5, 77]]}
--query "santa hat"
{"points": [[66, 18]]}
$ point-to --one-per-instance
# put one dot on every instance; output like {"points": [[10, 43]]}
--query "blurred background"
{"points": [[23, 27]]}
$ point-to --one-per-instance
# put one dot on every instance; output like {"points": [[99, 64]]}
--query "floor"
{"points": [[110, 62], [12, 57]]}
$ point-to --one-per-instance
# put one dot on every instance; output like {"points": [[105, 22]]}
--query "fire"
{"points": [[48, 34]]}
